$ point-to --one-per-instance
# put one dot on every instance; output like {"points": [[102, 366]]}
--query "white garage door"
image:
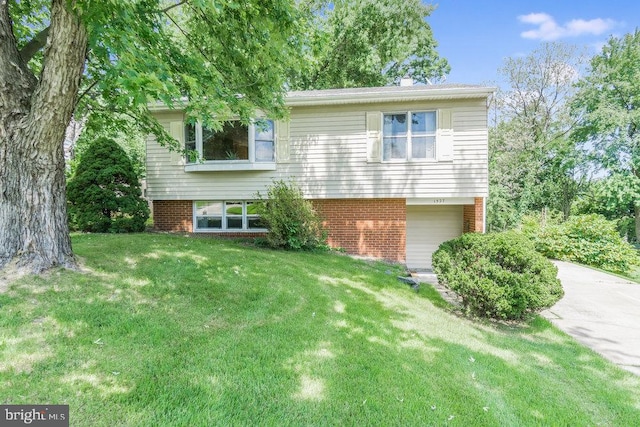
{"points": [[427, 227]]}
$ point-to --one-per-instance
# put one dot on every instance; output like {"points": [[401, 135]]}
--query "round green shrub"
{"points": [[497, 275], [104, 193], [585, 239], [290, 218]]}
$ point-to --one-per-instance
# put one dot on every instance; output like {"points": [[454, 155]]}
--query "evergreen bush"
{"points": [[290, 218], [497, 275], [104, 194]]}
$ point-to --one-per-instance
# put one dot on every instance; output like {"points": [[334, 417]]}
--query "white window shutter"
{"points": [[176, 130], [374, 139], [282, 141], [444, 136]]}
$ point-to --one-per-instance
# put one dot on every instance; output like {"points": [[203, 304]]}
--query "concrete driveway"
{"points": [[601, 311]]}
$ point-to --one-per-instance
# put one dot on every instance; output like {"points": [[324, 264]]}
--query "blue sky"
{"points": [[476, 36]]}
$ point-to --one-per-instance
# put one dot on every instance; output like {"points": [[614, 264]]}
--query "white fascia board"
{"points": [[366, 97]]}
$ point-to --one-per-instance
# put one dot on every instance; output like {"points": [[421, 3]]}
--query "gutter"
{"points": [[369, 96], [396, 94]]}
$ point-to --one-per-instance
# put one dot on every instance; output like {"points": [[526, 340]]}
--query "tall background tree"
{"points": [[533, 164], [614, 197], [60, 56], [607, 106], [366, 43]]}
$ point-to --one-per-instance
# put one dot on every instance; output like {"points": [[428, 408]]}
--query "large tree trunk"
{"points": [[33, 117]]}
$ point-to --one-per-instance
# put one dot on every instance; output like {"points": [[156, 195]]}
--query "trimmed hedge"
{"points": [[497, 275]]}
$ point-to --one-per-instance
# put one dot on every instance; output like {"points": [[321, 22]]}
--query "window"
{"points": [[226, 216], [404, 139], [234, 142], [264, 141]]}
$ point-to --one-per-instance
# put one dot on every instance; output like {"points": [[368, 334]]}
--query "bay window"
{"points": [[235, 142]]}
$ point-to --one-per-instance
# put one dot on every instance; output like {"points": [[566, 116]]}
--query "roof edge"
{"points": [[372, 95], [385, 94]]}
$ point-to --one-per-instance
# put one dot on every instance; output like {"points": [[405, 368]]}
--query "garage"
{"points": [[427, 227]]}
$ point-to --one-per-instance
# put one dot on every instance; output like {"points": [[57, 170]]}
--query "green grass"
{"points": [[634, 274], [183, 331]]}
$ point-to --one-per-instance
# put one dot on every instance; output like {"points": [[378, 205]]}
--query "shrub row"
{"points": [[585, 239]]}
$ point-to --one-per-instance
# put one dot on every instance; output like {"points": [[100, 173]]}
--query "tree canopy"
{"points": [[607, 107], [364, 43], [615, 197], [532, 162], [227, 58], [567, 134]]}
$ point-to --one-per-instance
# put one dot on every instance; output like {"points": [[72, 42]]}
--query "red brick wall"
{"points": [[367, 227], [173, 215], [473, 217]]}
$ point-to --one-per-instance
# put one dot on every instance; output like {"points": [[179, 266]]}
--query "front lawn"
{"points": [[183, 331]]}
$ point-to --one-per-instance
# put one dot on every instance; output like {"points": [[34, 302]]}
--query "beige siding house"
{"points": [[394, 171]]}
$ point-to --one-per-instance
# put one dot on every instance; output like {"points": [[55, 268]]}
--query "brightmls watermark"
{"points": [[34, 415]]}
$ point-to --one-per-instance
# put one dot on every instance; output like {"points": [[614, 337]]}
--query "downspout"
{"points": [[484, 215]]}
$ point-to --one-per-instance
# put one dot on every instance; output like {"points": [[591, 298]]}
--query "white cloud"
{"points": [[549, 30]]}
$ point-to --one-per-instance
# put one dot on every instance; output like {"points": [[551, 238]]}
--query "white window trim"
{"points": [[409, 159], [232, 165], [224, 228]]}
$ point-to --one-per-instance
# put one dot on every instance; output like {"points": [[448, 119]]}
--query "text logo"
{"points": [[34, 415]]}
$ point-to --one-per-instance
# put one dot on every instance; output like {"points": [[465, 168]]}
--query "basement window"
{"points": [[227, 215]]}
